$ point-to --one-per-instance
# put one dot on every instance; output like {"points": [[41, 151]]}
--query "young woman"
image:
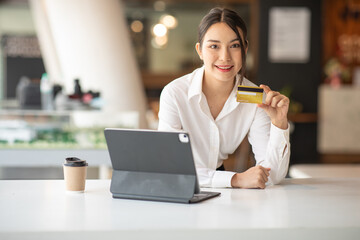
{"points": [[203, 103]]}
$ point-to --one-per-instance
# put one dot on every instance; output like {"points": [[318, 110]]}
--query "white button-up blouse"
{"points": [[183, 107]]}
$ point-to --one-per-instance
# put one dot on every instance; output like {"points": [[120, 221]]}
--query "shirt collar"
{"points": [[195, 88], [237, 83], [196, 83], [231, 103]]}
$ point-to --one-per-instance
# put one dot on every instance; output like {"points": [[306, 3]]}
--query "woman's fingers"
{"points": [[263, 174], [261, 185], [283, 102], [266, 170], [274, 98], [269, 96], [266, 88], [276, 106], [255, 177]]}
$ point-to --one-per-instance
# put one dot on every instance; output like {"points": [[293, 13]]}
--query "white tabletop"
{"points": [[325, 171], [296, 209]]}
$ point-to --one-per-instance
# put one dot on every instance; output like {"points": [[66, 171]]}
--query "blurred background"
{"points": [[68, 69]]}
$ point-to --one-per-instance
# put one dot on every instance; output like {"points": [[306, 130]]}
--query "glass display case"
{"points": [[35, 143], [37, 129]]}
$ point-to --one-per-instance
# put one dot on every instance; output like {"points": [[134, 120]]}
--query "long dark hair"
{"points": [[234, 21]]}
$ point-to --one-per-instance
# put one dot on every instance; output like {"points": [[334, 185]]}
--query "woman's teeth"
{"points": [[224, 68]]}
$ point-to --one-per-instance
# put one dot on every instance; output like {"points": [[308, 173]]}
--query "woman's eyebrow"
{"points": [[210, 40], [217, 41]]}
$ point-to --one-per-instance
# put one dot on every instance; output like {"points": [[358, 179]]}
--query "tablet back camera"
{"points": [[183, 137]]}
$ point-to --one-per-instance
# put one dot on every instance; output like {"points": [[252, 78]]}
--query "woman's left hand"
{"points": [[276, 106]]}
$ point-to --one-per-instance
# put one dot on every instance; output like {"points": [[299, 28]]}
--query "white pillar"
{"points": [[49, 54], [92, 43]]}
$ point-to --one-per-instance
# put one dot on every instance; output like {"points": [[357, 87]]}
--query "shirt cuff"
{"points": [[279, 137], [222, 179]]}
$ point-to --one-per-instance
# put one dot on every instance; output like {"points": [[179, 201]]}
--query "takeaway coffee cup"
{"points": [[75, 174]]}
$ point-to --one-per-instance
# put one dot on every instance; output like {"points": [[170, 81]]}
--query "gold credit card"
{"points": [[246, 94]]}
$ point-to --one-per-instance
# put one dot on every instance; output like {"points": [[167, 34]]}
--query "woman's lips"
{"points": [[224, 68]]}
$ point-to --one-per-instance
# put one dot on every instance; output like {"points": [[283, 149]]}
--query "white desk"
{"points": [[297, 209], [325, 171]]}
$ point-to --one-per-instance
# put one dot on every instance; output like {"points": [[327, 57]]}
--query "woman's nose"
{"points": [[225, 54]]}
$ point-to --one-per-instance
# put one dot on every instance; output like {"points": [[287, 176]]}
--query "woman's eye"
{"points": [[236, 45], [213, 46]]}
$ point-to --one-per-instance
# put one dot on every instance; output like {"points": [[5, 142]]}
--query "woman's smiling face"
{"points": [[221, 52]]}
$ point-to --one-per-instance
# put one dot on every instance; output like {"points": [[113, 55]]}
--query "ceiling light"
{"points": [[159, 30], [169, 21], [136, 26]]}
